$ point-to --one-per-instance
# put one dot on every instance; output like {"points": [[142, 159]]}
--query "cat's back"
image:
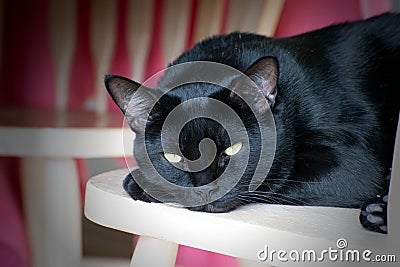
{"points": [[352, 44], [240, 49]]}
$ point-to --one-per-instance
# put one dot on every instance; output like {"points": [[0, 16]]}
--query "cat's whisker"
{"points": [[293, 181], [255, 199], [297, 201], [263, 196], [283, 180]]}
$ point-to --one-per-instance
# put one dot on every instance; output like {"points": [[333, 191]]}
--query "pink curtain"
{"points": [[27, 80]]}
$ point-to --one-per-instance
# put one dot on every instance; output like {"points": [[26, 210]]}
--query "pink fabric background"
{"points": [[27, 80]]}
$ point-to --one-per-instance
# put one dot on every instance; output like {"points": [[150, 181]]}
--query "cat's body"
{"points": [[335, 104]]}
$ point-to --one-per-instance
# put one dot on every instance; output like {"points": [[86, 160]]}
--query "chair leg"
{"points": [[150, 252], [53, 211]]}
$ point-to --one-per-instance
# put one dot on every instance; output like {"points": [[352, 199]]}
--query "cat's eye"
{"points": [[172, 157], [232, 150]]}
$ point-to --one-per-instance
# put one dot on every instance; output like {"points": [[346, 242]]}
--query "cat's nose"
{"points": [[206, 176]]}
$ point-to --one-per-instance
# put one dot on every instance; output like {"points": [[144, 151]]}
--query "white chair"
{"points": [[242, 233]]}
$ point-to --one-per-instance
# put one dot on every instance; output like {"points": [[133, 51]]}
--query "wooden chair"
{"points": [[243, 233]]}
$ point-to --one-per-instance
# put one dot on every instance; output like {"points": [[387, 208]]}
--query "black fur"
{"points": [[336, 112]]}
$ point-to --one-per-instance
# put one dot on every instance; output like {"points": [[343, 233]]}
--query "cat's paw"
{"points": [[373, 214], [134, 190]]}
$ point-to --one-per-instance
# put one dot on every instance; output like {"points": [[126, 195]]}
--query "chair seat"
{"points": [[240, 233]]}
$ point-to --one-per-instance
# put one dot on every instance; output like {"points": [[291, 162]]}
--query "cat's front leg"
{"points": [[134, 190], [373, 214]]}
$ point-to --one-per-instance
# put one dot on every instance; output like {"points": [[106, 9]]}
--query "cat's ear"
{"points": [[264, 74], [135, 104]]}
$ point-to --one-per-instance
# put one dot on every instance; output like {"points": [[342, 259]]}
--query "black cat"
{"points": [[334, 94]]}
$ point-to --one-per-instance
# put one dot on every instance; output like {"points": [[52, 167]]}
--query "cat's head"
{"points": [[194, 150]]}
